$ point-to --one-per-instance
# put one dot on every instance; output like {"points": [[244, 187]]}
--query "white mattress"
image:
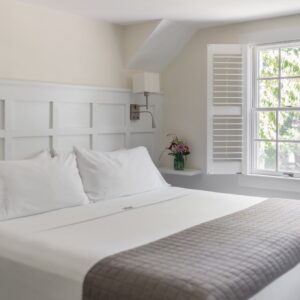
{"points": [[45, 257]]}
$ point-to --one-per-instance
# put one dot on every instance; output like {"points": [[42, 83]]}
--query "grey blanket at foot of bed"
{"points": [[232, 258]]}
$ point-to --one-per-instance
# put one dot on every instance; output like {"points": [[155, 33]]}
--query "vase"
{"points": [[179, 163]]}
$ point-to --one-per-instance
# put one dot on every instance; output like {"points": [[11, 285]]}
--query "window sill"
{"points": [[273, 176], [268, 182]]}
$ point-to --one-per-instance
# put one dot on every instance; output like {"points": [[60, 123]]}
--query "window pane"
{"points": [[290, 92], [266, 127], [269, 63], [289, 157], [268, 93], [290, 65], [289, 125], [266, 156]]}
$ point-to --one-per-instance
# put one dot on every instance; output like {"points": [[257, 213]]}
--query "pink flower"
{"points": [[180, 148]]}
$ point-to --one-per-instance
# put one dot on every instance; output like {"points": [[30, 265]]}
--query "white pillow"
{"points": [[108, 175], [39, 185]]}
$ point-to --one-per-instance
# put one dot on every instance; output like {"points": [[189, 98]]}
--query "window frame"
{"points": [[255, 109]]}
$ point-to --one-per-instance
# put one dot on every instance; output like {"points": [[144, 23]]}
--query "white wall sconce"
{"points": [[144, 83]]}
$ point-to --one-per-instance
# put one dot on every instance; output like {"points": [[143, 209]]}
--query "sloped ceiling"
{"points": [[162, 46]]}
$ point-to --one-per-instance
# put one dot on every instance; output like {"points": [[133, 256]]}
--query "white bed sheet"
{"points": [[45, 257]]}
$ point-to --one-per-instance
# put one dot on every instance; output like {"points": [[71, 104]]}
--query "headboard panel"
{"points": [[37, 116]]}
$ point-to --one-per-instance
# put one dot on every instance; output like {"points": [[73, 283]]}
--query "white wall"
{"points": [[41, 44], [134, 37], [38, 44], [184, 111], [39, 116]]}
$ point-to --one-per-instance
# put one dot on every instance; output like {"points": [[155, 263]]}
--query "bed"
{"points": [[47, 256]]}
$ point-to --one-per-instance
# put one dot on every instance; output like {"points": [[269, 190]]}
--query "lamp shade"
{"points": [[146, 82]]}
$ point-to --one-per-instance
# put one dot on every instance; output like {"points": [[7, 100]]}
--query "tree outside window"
{"points": [[277, 110]]}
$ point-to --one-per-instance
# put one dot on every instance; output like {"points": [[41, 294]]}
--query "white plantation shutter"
{"points": [[226, 106]]}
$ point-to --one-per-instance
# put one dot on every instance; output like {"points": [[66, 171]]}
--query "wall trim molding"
{"points": [[35, 116], [62, 85]]}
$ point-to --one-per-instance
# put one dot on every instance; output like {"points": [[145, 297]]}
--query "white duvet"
{"points": [[46, 257]]}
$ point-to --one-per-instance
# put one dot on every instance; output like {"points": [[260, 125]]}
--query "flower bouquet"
{"points": [[179, 149]]}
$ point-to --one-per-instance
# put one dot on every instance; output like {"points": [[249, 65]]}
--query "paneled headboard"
{"points": [[36, 116]]}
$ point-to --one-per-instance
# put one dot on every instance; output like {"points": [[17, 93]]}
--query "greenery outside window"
{"points": [[276, 110]]}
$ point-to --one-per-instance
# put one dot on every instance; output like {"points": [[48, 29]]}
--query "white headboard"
{"points": [[36, 116]]}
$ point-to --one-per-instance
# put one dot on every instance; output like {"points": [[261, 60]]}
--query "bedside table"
{"points": [[185, 172]]}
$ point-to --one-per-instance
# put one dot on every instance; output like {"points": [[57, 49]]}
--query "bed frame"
{"points": [[36, 116]]}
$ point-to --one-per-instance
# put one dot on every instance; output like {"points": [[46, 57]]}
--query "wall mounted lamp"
{"points": [[144, 83]]}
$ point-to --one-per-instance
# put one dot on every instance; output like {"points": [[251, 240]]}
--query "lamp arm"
{"points": [[150, 113], [146, 94]]}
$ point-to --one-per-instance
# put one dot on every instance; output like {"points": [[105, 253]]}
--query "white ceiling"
{"points": [[205, 12]]}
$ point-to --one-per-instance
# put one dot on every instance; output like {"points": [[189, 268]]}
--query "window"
{"points": [[276, 110]]}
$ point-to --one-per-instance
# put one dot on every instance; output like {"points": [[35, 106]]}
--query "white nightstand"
{"points": [[185, 172]]}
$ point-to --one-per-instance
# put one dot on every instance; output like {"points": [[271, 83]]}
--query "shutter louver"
{"points": [[226, 94]]}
